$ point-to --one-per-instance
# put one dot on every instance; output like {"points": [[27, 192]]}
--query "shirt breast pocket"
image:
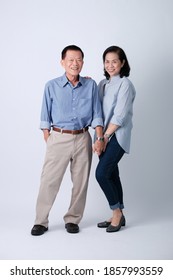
{"points": [[85, 107]]}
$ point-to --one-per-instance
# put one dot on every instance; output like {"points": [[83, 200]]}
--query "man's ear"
{"points": [[62, 62]]}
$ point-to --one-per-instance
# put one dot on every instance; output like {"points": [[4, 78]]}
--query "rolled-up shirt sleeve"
{"points": [[97, 119], [123, 108], [46, 118]]}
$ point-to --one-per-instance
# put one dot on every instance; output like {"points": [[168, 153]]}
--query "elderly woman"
{"points": [[117, 95]]}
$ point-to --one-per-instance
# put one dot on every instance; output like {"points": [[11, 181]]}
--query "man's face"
{"points": [[72, 63]]}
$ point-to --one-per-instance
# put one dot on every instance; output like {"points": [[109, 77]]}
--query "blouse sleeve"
{"points": [[124, 104]]}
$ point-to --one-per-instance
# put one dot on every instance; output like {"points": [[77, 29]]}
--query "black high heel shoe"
{"points": [[106, 224], [112, 228]]}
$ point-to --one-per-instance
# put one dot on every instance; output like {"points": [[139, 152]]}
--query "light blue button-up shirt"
{"points": [[117, 96], [71, 107]]}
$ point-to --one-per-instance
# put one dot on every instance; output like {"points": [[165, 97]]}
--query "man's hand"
{"points": [[98, 147], [46, 134]]}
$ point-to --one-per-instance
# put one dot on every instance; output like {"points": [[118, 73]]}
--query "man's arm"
{"points": [[99, 143], [45, 124]]}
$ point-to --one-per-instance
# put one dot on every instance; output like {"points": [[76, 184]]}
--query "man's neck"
{"points": [[73, 79]]}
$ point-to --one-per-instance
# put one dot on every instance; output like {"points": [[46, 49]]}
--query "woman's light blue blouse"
{"points": [[117, 96]]}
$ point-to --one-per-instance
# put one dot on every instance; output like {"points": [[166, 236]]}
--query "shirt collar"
{"points": [[65, 81]]}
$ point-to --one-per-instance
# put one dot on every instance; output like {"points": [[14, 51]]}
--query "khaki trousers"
{"points": [[63, 149]]}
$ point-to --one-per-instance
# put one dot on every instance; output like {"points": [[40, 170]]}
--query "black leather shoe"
{"points": [[38, 230], [111, 228], [72, 228], [104, 224]]}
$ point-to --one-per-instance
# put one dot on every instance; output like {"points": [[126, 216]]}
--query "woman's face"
{"points": [[112, 64]]}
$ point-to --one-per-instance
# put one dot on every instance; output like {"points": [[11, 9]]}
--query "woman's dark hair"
{"points": [[71, 48], [125, 70]]}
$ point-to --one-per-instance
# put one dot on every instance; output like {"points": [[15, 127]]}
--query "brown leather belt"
{"points": [[71, 131]]}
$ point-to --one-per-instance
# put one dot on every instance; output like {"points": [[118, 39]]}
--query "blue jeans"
{"points": [[107, 174]]}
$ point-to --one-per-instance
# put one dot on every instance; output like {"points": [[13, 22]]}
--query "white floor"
{"points": [[142, 238], [148, 212]]}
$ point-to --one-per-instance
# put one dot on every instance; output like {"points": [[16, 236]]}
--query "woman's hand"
{"points": [[106, 140]]}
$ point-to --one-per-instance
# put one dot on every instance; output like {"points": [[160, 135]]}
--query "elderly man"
{"points": [[70, 105]]}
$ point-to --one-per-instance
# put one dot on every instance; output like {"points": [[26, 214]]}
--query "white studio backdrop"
{"points": [[33, 34]]}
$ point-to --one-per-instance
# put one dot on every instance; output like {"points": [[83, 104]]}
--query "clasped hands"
{"points": [[100, 146]]}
